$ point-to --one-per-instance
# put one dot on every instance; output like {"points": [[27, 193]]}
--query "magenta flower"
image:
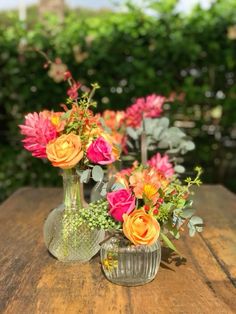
{"points": [[38, 131], [149, 107], [120, 202], [100, 152], [162, 164]]}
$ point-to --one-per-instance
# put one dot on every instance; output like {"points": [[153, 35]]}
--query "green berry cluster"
{"points": [[95, 216]]}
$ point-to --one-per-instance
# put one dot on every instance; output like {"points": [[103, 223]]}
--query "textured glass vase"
{"points": [[129, 265], [64, 235]]}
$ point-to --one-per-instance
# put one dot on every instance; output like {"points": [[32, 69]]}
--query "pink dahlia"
{"points": [[38, 131], [133, 114], [149, 107], [153, 106], [162, 164]]}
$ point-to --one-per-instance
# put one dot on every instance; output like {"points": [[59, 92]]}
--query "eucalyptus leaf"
{"points": [[130, 144], [117, 186], [172, 151], [149, 125], [179, 169], [151, 147], [164, 122], [187, 213], [195, 224], [157, 132], [190, 145], [192, 232], [85, 176], [195, 220], [163, 144], [132, 133], [97, 173], [177, 221], [139, 130], [104, 189], [176, 132]]}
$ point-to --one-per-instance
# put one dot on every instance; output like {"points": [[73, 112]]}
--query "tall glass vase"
{"points": [[65, 236]]}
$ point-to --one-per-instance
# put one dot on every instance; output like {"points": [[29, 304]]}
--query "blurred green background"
{"points": [[130, 53]]}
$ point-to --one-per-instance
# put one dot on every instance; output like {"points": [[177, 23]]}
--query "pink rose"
{"points": [[120, 202], [100, 152]]}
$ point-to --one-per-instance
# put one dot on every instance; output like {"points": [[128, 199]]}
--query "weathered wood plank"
{"points": [[218, 207], [32, 281]]}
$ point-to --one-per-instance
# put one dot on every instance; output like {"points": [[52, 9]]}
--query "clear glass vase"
{"points": [[129, 265], [64, 235]]}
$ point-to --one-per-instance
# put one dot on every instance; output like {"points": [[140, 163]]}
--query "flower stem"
{"points": [[144, 148]]}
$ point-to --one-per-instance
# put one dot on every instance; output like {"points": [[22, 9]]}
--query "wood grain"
{"points": [[32, 281]]}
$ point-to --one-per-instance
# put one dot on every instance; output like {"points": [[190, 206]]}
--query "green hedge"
{"points": [[130, 54]]}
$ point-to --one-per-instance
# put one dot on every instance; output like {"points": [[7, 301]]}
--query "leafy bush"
{"points": [[130, 54]]}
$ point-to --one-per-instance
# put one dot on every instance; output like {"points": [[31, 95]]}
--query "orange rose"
{"points": [[65, 151], [140, 227]]}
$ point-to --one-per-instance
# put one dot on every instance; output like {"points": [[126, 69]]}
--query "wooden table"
{"points": [[32, 281]]}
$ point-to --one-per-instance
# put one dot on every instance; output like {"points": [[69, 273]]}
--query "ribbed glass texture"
{"points": [[130, 265]]}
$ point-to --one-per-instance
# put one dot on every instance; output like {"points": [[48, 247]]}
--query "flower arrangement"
{"points": [[142, 131], [137, 205], [74, 141], [145, 203], [72, 138]]}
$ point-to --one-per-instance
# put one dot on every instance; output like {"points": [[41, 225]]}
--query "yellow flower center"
{"points": [[149, 191], [55, 120]]}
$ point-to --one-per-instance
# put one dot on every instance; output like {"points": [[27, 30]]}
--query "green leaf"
{"points": [[97, 173], [117, 186], [85, 176], [130, 144], [192, 232], [195, 224], [169, 243], [104, 189], [164, 122], [190, 145], [66, 115], [132, 133], [195, 220], [179, 169], [157, 132], [163, 144], [187, 213]]}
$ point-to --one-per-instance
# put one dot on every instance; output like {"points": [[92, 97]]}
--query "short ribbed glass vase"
{"points": [[65, 237], [129, 265]]}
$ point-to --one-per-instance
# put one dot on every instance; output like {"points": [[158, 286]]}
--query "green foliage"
{"points": [[96, 216], [131, 55]]}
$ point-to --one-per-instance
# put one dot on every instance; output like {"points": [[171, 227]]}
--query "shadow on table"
{"points": [[168, 258]]}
